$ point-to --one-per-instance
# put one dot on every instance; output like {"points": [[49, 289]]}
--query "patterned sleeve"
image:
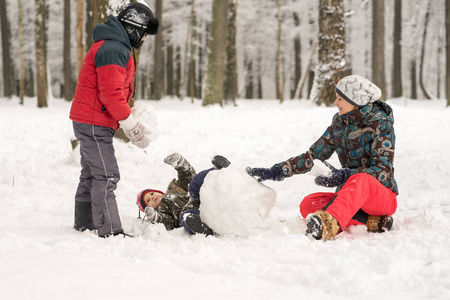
{"points": [[322, 149]]}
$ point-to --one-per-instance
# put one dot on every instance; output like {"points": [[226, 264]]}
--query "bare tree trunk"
{"points": [[331, 42], [158, 77], [187, 53], [231, 79], [378, 47], [190, 91], [7, 68], [397, 89], [66, 53], [279, 72], [198, 85], [21, 56], [248, 62], [259, 88], [307, 71], [169, 68], [413, 79], [447, 49], [100, 12], [41, 63], [178, 72], [89, 24], [213, 92], [422, 53], [297, 57], [81, 49]]}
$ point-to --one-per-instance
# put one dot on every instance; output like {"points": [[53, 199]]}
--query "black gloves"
{"points": [[262, 174], [336, 178]]}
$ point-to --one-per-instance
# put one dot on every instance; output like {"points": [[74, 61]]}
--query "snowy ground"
{"points": [[42, 257]]}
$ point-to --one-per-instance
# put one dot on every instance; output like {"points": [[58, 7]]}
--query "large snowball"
{"points": [[234, 203]]}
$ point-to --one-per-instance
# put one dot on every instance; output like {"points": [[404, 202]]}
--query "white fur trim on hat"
{"points": [[358, 90]]}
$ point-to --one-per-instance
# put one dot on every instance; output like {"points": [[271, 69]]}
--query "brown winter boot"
{"points": [[379, 223], [322, 225]]}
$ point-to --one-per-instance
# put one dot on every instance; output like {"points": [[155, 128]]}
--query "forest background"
{"points": [[270, 49]]}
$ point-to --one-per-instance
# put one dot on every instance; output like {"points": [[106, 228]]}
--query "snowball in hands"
{"points": [[135, 131], [234, 203]]}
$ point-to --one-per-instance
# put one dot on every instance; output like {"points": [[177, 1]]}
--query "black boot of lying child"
{"points": [[195, 224], [220, 162]]}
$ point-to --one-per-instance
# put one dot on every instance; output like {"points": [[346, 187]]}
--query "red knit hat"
{"points": [[140, 198]]}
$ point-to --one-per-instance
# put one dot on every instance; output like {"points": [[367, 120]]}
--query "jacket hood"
{"points": [[378, 111], [370, 112], [112, 29]]}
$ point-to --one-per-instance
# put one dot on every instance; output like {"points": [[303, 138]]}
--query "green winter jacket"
{"points": [[176, 197], [364, 141]]}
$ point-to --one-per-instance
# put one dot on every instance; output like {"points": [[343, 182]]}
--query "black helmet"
{"points": [[138, 20]]}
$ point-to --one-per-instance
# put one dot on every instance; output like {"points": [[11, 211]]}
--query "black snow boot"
{"points": [[195, 224], [220, 162], [83, 216]]}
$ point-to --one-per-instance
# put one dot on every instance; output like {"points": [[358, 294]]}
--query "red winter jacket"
{"points": [[105, 83]]}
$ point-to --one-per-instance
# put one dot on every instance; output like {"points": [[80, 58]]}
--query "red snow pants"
{"points": [[361, 191]]}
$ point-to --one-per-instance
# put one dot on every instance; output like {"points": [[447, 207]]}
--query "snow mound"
{"points": [[234, 203], [145, 114]]}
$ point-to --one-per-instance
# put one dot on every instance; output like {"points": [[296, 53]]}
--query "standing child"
{"points": [[100, 107]]}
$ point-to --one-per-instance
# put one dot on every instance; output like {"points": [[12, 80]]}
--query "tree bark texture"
{"points": [[41, 63], [99, 13], [21, 56], [397, 89], [447, 49], [158, 77], [331, 43], [422, 53], [68, 95], [213, 92], [81, 49], [378, 47], [297, 57], [279, 72], [6, 56], [231, 79]]}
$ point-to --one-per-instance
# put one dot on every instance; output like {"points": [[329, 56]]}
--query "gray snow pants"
{"points": [[98, 180]]}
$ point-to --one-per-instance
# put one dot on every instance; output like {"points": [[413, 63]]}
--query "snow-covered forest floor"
{"points": [[42, 257]]}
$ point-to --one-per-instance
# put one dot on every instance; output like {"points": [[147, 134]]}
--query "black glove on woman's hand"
{"points": [[262, 174], [335, 178]]}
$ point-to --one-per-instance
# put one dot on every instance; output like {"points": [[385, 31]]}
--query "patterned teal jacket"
{"points": [[364, 141]]}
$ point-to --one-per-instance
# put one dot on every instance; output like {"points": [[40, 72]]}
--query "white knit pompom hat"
{"points": [[358, 90]]}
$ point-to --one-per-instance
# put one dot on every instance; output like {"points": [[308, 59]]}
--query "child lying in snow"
{"points": [[179, 205]]}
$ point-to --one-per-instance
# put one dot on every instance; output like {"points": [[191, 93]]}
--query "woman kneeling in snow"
{"points": [[179, 205], [362, 135]]}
